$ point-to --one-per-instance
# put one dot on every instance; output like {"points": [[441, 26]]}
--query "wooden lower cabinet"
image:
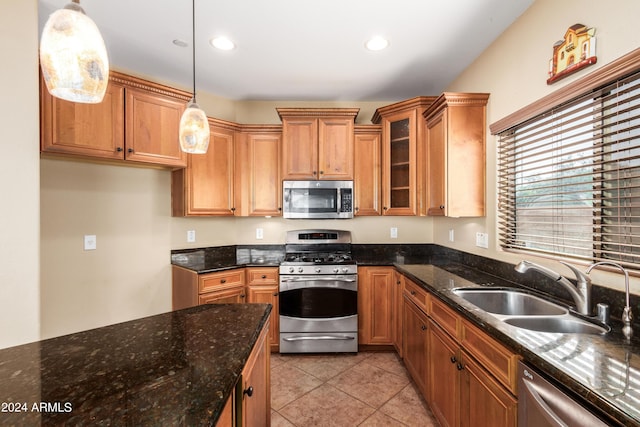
{"points": [[461, 392], [190, 288], [397, 303], [250, 404], [263, 287], [375, 305], [416, 343]]}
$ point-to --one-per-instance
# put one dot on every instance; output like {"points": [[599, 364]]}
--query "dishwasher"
{"points": [[541, 404]]}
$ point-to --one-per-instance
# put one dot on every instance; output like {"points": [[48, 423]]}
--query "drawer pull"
{"points": [[460, 366], [248, 392], [412, 293], [223, 280], [264, 276], [453, 359], [423, 327], [275, 294]]}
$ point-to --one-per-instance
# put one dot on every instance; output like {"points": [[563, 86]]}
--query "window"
{"points": [[569, 177]]}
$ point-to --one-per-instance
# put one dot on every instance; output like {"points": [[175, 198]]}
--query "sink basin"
{"points": [[509, 302], [556, 324]]}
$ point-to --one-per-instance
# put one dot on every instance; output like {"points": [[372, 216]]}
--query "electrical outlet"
{"points": [[482, 240], [191, 236], [451, 235], [90, 242], [394, 232], [259, 233]]}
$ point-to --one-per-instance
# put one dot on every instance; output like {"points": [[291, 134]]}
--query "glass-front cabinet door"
{"points": [[399, 172]]}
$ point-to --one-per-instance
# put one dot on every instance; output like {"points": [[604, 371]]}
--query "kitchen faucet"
{"points": [[581, 293], [627, 314]]}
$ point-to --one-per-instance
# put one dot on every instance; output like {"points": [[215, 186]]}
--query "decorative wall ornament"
{"points": [[574, 52]]}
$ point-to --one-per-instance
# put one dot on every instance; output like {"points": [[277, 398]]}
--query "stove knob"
{"points": [[318, 269], [345, 270], [336, 270], [300, 269], [291, 269]]}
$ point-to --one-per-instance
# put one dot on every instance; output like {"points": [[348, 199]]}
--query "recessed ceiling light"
{"points": [[377, 43], [222, 43]]}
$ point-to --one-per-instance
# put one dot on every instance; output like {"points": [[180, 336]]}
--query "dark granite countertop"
{"points": [[601, 369], [175, 368]]}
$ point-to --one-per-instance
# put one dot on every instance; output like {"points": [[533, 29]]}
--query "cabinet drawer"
{"points": [[215, 281], [417, 294], [262, 276], [495, 358], [445, 317]]}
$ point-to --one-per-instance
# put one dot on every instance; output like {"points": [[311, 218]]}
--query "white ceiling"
{"points": [[301, 49]]}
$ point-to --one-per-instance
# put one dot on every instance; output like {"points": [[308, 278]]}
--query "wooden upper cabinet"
{"points": [[136, 121], [403, 143], [367, 167], [152, 128], [258, 186], [206, 186], [456, 135], [95, 130], [317, 143]]}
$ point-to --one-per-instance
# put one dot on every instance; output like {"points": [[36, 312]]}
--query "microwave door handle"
{"points": [[339, 201]]}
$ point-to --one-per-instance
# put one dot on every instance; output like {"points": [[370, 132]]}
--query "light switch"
{"points": [[259, 233], [191, 236], [482, 240], [90, 242], [394, 232]]}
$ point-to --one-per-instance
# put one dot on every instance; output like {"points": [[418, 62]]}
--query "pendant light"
{"points": [[194, 125], [73, 57]]}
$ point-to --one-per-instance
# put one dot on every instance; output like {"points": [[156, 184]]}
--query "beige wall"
{"points": [[19, 175], [128, 208], [513, 69]]}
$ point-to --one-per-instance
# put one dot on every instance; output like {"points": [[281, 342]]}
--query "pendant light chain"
{"points": [[193, 45]]}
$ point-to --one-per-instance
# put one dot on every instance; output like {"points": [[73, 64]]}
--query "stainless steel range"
{"points": [[318, 293]]}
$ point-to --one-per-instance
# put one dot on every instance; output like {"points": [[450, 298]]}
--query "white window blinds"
{"points": [[569, 178]]}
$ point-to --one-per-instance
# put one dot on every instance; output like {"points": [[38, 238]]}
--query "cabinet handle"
{"points": [[412, 293], [384, 208], [441, 206], [241, 295], [398, 282], [249, 391], [233, 209], [119, 149], [264, 276], [275, 294], [460, 366], [423, 327], [130, 150], [357, 209], [314, 173], [321, 172], [453, 359], [223, 280], [279, 209]]}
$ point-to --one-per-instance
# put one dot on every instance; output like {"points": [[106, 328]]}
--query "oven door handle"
{"points": [[319, 338], [316, 279]]}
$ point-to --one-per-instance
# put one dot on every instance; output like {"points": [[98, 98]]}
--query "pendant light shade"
{"points": [[73, 57], [194, 130], [194, 125]]}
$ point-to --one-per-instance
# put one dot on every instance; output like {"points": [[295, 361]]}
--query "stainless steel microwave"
{"points": [[317, 199]]}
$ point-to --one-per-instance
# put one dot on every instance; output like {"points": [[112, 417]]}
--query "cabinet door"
{"points": [[152, 127], [258, 186], [375, 297], [367, 168], [335, 148], [436, 158], [484, 403], [444, 385], [415, 341], [399, 164], [300, 148], [256, 392], [205, 187], [95, 130]]}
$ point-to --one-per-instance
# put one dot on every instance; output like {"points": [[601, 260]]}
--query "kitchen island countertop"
{"points": [[176, 368]]}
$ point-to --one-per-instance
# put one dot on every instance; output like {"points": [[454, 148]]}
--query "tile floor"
{"points": [[364, 389]]}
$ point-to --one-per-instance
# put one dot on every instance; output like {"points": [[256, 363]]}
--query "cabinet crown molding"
{"points": [[407, 104], [136, 82], [317, 112], [452, 99]]}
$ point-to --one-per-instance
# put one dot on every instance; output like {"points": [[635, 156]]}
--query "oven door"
{"points": [[318, 314]]}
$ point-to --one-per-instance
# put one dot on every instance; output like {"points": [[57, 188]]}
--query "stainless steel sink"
{"points": [[557, 324], [526, 311], [509, 302]]}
